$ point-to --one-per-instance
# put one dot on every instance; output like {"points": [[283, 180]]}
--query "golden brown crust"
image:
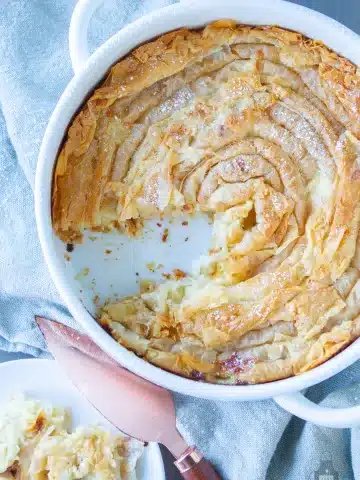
{"points": [[259, 127], [82, 169]]}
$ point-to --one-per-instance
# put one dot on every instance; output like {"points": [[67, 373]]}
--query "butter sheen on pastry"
{"points": [[259, 128]]}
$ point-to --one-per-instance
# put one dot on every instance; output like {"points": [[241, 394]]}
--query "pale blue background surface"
{"points": [[296, 448]]}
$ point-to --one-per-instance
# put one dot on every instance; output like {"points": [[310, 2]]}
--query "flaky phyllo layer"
{"points": [[35, 444], [258, 127]]}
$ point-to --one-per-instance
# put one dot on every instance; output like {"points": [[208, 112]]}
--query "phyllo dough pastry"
{"points": [[35, 444], [259, 128]]}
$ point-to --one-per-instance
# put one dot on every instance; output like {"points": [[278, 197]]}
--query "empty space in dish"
{"points": [[110, 266]]}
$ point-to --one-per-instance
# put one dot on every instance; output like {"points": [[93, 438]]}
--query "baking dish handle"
{"points": [[78, 43], [304, 408]]}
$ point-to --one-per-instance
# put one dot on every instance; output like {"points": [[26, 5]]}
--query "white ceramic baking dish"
{"points": [[114, 272]]}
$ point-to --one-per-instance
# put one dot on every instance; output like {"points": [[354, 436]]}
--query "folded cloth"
{"points": [[247, 441]]}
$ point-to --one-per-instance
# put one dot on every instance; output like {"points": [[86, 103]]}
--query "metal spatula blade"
{"points": [[134, 405]]}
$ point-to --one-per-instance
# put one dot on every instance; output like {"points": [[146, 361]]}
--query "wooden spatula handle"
{"points": [[193, 466]]}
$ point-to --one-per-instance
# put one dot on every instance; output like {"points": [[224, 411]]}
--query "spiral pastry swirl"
{"points": [[259, 128]]}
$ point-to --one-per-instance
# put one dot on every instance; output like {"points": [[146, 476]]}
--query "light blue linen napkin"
{"points": [[246, 441]]}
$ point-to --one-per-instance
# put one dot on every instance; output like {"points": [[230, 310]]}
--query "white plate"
{"points": [[45, 381]]}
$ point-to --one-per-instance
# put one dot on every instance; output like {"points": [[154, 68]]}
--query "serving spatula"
{"points": [[135, 406]]}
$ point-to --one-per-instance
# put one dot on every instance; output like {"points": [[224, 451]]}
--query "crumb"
{"points": [[96, 299], [70, 247], [165, 235], [137, 274], [159, 266], [186, 207], [67, 257], [186, 239], [83, 273], [146, 286], [185, 223], [178, 274], [159, 224], [151, 266], [107, 251], [92, 239], [80, 291]]}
